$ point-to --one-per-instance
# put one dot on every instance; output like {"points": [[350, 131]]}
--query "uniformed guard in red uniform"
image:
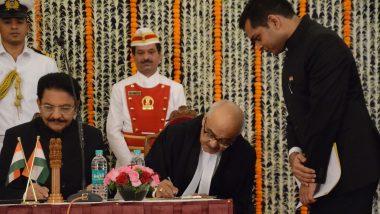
{"points": [[141, 104]]}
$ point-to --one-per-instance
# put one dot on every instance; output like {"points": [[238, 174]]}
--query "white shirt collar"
{"points": [[148, 82], [206, 154], [25, 50], [2, 50]]}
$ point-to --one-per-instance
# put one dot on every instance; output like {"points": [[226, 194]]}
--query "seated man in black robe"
{"points": [[58, 108], [206, 156]]}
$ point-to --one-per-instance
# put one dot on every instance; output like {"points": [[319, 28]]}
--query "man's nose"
{"points": [[56, 113], [146, 56], [14, 24], [213, 143]]}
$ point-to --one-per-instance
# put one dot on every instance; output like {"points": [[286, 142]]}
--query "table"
{"points": [[141, 207]]}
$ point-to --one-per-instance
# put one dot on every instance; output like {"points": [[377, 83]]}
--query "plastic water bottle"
{"points": [[138, 158], [99, 171]]}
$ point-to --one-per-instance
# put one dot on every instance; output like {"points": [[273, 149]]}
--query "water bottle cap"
{"points": [[137, 151], [99, 152]]}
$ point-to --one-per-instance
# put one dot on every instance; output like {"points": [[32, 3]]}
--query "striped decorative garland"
{"points": [[177, 40], [37, 24], [217, 50], [258, 133], [303, 6], [89, 63], [133, 5], [347, 22]]}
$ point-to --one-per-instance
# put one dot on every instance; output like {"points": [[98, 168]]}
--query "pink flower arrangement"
{"points": [[132, 176]]}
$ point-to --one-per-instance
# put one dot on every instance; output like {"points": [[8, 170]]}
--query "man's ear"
{"points": [[160, 57], [274, 21], [39, 106], [77, 105], [204, 119]]}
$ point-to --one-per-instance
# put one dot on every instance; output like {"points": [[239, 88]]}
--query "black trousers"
{"points": [[355, 202]]}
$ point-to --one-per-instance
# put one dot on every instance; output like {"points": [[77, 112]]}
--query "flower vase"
{"points": [[130, 193]]}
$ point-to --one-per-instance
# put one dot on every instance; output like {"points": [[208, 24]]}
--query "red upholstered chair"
{"points": [[177, 116], [182, 114]]}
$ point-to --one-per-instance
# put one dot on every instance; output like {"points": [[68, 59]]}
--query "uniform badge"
{"points": [[134, 93], [147, 103], [12, 4]]}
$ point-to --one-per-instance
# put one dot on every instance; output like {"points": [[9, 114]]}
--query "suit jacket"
{"points": [[175, 154], [71, 171], [325, 102]]}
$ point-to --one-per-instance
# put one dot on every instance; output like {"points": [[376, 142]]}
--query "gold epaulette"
{"points": [[43, 53], [7, 83]]}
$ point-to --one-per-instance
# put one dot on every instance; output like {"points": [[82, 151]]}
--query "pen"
{"points": [[168, 178], [290, 84]]}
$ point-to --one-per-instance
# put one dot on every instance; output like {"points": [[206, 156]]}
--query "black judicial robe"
{"points": [[325, 102], [71, 172], [175, 154]]}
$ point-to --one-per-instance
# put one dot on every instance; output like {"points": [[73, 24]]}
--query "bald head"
{"points": [[227, 116], [220, 126]]}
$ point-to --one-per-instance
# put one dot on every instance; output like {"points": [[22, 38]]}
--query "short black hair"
{"points": [[257, 12], [60, 81], [158, 46]]}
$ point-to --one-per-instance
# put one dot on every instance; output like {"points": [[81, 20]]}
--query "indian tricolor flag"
{"points": [[37, 160], [18, 162]]}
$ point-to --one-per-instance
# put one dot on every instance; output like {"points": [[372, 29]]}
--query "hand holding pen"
{"points": [[166, 189]]}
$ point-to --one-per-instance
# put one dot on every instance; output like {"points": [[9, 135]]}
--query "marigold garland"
{"points": [[303, 4], [258, 132], [217, 50], [89, 62], [133, 5], [37, 22], [347, 7], [177, 40]]}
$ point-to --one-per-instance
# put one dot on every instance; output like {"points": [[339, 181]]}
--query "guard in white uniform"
{"points": [[20, 66], [142, 103]]}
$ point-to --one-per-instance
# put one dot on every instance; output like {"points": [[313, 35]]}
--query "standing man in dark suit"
{"points": [[58, 108], [325, 102]]}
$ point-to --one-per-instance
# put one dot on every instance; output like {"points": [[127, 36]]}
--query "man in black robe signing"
{"points": [[206, 156]]}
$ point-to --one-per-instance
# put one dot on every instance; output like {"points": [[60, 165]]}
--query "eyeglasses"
{"points": [[224, 143], [63, 109]]}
